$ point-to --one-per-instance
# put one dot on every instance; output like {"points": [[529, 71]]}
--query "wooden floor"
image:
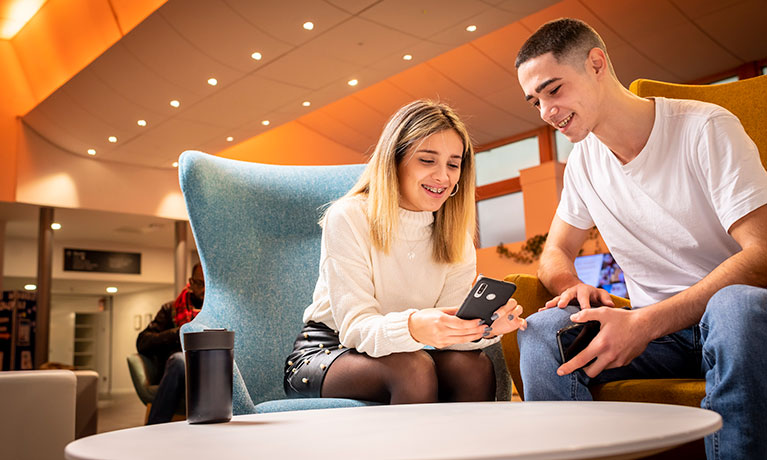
{"points": [[120, 411]]}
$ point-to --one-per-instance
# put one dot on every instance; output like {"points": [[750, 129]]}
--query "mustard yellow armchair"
{"points": [[531, 294], [746, 99]]}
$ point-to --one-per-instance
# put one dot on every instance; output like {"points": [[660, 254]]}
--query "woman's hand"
{"points": [[439, 327], [508, 319]]}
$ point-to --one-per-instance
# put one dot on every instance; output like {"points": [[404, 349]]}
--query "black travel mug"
{"points": [[209, 363]]}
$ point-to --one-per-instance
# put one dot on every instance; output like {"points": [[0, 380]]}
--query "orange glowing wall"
{"points": [[293, 144], [59, 41]]}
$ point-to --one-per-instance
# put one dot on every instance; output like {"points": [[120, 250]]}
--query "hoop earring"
{"points": [[455, 190]]}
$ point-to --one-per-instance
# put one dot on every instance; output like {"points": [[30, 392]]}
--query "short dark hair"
{"points": [[563, 38]]}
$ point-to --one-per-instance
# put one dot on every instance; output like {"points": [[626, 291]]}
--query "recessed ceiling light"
{"points": [[175, 103], [175, 164], [30, 287], [212, 81], [91, 152], [265, 122], [408, 57], [16, 14], [352, 82], [471, 28], [256, 55], [141, 123], [308, 25], [111, 289], [112, 139], [56, 226], [229, 139], [306, 103]]}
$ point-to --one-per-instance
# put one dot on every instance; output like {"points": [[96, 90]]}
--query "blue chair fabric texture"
{"points": [[257, 235]]}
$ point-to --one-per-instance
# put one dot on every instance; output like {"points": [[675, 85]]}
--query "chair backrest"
{"points": [[746, 99], [143, 375], [256, 231]]}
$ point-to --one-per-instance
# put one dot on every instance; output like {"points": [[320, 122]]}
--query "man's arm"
{"points": [[625, 334], [749, 266], [557, 271]]}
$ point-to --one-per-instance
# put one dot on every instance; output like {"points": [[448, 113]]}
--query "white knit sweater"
{"points": [[368, 296]]}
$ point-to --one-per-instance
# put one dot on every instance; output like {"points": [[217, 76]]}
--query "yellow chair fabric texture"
{"points": [[746, 99]]}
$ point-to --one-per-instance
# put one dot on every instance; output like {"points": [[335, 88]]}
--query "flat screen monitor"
{"points": [[602, 271]]}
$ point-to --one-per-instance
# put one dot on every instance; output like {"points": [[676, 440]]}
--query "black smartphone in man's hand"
{"points": [[574, 338]]}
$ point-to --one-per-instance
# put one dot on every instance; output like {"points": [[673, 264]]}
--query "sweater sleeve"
{"points": [[347, 268]]}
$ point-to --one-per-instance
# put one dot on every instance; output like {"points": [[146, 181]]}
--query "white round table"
{"points": [[491, 430]]}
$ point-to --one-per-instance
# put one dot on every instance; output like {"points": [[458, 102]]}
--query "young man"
{"points": [[678, 193], [160, 341]]}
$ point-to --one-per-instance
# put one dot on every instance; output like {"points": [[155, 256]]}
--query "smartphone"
{"points": [[574, 338], [486, 296]]}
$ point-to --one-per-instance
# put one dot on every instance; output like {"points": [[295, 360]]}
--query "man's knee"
{"points": [[737, 314], [175, 364], [738, 304], [543, 326]]}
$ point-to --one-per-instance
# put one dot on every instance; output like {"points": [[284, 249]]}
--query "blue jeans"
{"points": [[726, 348], [171, 390]]}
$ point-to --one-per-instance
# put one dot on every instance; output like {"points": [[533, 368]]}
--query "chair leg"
{"points": [[148, 409]]}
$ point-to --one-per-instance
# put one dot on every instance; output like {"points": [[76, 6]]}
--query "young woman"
{"points": [[397, 260]]}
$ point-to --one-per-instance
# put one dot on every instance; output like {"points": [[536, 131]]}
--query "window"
{"points": [[504, 162], [501, 220], [564, 147], [725, 80], [500, 206], [764, 70]]}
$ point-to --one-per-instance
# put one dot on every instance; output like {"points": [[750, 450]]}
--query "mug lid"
{"points": [[209, 339]]}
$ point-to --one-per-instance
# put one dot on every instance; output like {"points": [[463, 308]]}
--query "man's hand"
{"points": [[622, 337], [439, 327], [585, 295]]}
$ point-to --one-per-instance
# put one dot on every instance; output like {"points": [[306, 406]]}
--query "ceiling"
{"points": [[173, 53]]}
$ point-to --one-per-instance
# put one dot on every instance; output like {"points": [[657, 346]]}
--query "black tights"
{"points": [[416, 377]]}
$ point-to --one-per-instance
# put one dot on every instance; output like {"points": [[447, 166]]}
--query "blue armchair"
{"points": [[259, 243]]}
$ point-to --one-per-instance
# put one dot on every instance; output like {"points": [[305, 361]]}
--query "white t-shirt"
{"points": [[665, 215], [368, 296]]}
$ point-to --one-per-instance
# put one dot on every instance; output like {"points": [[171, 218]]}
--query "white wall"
{"points": [[157, 264], [126, 309], [49, 176]]}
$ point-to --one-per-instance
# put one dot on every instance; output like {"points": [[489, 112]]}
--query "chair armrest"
{"points": [[531, 294], [86, 403]]}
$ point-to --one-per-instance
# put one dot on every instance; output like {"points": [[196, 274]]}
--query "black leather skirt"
{"points": [[315, 349]]}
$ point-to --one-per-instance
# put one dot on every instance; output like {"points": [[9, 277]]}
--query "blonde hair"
{"points": [[409, 126]]}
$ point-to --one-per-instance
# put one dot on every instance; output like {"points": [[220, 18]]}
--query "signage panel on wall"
{"points": [[86, 260]]}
